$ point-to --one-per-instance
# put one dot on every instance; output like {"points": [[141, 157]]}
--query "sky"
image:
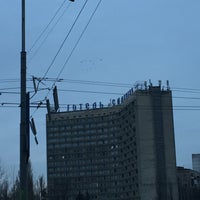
{"points": [[125, 42]]}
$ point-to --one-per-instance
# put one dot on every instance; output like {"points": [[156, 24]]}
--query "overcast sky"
{"points": [[126, 41]]}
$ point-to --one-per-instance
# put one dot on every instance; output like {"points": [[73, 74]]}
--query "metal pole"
{"points": [[24, 153]]}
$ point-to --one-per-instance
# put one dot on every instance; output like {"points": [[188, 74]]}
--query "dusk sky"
{"points": [[125, 42]]}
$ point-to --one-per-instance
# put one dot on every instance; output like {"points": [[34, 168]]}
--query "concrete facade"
{"points": [[122, 152], [196, 162], [188, 184]]}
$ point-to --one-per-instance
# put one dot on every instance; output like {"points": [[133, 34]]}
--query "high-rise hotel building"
{"points": [[125, 151]]}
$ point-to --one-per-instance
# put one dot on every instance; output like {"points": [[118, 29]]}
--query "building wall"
{"points": [[124, 152], [146, 144], [170, 153], [188, 184], [196, 162], [129, 187], [90, 154]]}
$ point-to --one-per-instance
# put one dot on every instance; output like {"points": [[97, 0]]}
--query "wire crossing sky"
{"points": [[123, 42]]}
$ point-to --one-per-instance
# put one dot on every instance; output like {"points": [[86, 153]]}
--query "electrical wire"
{"points": [[185, 89], [140, 106], [100, 83], [9, 80], [85, 28], [190, 98], [10, 88], [62, 44], [9, 92], [47, 26], [48, 33], [91, 92], [5, 90], [76, 44], [121, 94]]}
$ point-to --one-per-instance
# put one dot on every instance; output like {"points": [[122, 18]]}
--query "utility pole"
{"points": [[24, 117]]}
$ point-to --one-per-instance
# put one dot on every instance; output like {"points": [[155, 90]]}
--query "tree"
{"points": [[4, 190], [36, 189], [40, 189], [4, 186], [30, 182], [15, 189], [2, 173]]}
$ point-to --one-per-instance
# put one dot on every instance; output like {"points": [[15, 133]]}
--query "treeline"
{"points": [[11, 191]]}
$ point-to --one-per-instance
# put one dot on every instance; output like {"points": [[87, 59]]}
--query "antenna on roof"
{"points": [[145, 85], [48, 109], [150, 83], [160, 83], [168, 88]]}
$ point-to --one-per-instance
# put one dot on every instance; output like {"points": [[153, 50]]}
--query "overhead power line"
{"points": [[85, 28], [48, 33], [62, 44], [141, 107], [9, 80], [16, 89], [121, 94], [10, 88], [9, 92], [88, 82], [100, 83], [91, 92], [76, 44], [47, 26]]}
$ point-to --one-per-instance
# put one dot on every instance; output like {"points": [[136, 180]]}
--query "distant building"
{"points": [[196, 162], [188, 184], [122, 152]]}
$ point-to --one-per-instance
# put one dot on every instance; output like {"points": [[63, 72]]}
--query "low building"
{"points": [[196, 162], [188, 184]]}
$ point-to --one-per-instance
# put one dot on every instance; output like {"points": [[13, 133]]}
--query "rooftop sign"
{"points": [[95, 105]]}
